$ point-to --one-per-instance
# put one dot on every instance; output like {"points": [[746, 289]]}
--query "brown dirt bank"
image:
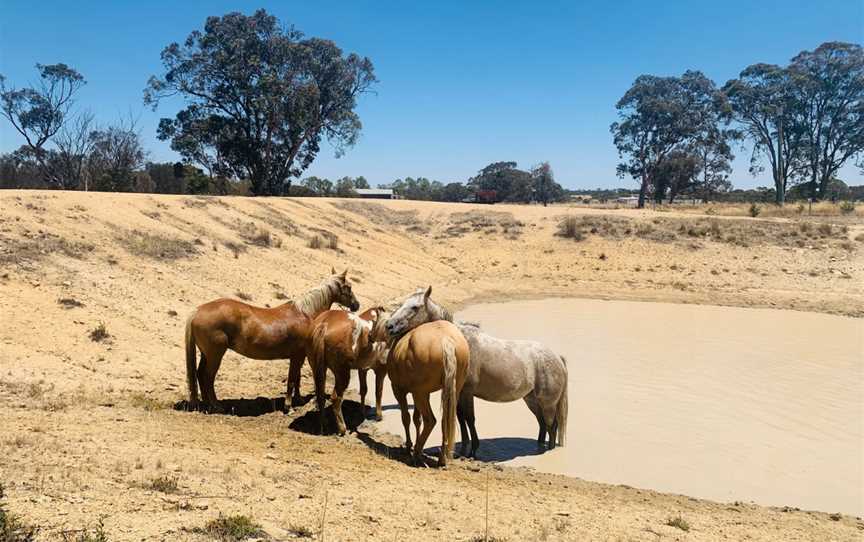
{"points": [[85, 424]]}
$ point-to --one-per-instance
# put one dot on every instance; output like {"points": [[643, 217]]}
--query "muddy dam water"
{"points": [[714, 402]]}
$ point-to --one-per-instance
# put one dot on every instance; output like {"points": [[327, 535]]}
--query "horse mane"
{"points": [[469, 324], [319, 298], [438, 312], [379, 322]]}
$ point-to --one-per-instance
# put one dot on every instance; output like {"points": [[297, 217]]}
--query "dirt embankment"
{"points": [[94, 289]]}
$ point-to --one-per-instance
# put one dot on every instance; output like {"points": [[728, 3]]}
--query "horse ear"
{"points": [[345, 274], [428, 293], [332, 270]]}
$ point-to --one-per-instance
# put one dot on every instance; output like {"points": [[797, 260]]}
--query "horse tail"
{"points": [[191, 374], [448, 396], [561, 414]]}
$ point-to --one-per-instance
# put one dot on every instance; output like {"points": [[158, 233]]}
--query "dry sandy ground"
{"points": [[87, 426]]}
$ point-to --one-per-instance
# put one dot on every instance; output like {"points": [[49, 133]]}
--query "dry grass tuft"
{"points": [[231, 529], [243, 295], [258, 236], [156, 246], [679, 523], [99, 333], [163, 484], [569, 228], [324, 239], [847, 208]]}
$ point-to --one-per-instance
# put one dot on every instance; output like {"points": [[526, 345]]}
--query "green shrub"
{"points": [[754, 210]]}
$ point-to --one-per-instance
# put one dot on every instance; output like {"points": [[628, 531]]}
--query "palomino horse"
{"points": [[427, 358], [342, 341], [257, 333], [501, 371]]}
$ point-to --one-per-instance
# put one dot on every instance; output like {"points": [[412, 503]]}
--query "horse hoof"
{"points": [[379, 417]]}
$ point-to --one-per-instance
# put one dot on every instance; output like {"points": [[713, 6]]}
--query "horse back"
{"points": [[255, 332]]}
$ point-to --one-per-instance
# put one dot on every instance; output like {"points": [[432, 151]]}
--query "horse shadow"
{"points": [[308, 422], [498, 449], [258, 406], [395, 453]]}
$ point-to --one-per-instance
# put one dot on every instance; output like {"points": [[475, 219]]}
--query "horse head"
{"points": [[417, 309], [344, 295]]}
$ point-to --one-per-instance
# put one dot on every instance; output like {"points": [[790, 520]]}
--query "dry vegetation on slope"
{"points": [[94, 289]]}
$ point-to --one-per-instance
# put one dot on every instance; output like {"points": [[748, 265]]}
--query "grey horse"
{"points": [[499, 371]]}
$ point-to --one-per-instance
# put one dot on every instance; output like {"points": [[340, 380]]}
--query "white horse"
{"points": [[499, 371]]}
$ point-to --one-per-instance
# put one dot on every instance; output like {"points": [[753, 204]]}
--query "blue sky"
{"points": [[462, 84]]}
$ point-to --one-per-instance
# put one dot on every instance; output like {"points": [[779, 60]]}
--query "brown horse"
{"points": [[431, 357], [258, 333], [342, 341]]}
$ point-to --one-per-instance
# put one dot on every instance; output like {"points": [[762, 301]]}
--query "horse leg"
{"points": [[292, 389], [406, 418], [342, 376], [319, 375], [361, 376], [470, 420], [379, 392], [531, 401], [421, 403], [463, 430], [211, 359], [541, 436], [548, 411], [553, 435], [203, 381]]}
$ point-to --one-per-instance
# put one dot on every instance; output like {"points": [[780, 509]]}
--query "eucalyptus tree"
{"points": [[764, 104], [828, 89], [260, 98], [660, 115], [40, 111]]}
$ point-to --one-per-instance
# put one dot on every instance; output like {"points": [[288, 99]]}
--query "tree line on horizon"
{"points": [[261, 97]]}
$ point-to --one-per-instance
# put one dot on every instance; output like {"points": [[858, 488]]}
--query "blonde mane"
{"points": [[319, 298]]}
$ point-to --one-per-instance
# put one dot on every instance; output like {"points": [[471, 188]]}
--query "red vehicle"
{"points": [[486, 196]]}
